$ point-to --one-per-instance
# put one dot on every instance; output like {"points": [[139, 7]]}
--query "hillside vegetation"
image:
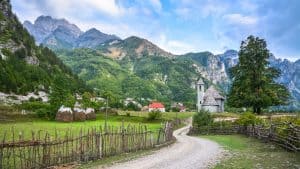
{"points": [[25, 67]]}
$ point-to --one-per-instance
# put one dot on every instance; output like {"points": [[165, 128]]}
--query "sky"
{"points": [[182, 26]]}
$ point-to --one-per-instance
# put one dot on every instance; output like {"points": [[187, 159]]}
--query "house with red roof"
{"points": [[156, 106]]}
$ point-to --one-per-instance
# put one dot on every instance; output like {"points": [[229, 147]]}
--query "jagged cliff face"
{"points": [[210, 67], [290, 77], [45, 27]]}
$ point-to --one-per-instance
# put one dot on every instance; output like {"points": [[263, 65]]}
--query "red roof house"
{"points": [[156, 106]]}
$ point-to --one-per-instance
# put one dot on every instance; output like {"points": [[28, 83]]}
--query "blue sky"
{"points": [[181, 26]]}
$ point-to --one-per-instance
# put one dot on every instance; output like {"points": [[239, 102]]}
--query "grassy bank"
{"points": [[249, 153]]}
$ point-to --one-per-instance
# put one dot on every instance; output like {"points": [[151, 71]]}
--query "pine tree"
{"points": [[254, 80]]}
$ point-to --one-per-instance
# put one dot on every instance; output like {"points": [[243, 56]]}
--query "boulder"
{"points": [[90, 114], [64, 114], [79, 114]]}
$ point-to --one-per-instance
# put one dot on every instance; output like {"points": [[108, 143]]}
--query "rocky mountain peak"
{"points": [[60, 33], [44, 26]]}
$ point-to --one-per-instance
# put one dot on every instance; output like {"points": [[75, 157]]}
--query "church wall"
{"points": [[221, 105], [211, 109]]}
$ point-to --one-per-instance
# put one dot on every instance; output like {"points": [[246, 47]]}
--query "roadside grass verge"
{"points": [[108, 161], [249, 153]]}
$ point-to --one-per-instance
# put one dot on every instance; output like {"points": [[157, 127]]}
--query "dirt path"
{"points": [[187, 153]]}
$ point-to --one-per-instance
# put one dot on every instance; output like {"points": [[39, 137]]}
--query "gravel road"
{"points": [[187, 153]]}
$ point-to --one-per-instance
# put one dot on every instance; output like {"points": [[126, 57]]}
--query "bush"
{"points": [[154, 115], [175, 109], [32, 106], [248, 119], [44, 113], [202, 118]]}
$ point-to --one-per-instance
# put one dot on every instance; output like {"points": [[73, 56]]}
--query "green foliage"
{"points": [[154, 115], [61, 94], [132, 107], [248, 119], [202, 118], [154, 77], [86, 99], [32, 106], [175, 109], [19, 77], [254, 80]]}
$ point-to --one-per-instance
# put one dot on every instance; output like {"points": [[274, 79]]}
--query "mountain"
{"points": [[45, 26], [93, 38], [25, 67], [59, 33], [170, 77]]}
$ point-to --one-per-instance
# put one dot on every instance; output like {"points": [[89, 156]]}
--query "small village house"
{"points": [[156, 106]]}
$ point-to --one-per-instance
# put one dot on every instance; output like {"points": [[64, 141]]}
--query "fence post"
{"points": [[123, 136], [2, 150], [158, 137]]}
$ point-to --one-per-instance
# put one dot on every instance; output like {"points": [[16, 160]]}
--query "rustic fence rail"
{"points": [[45, 150], [285, 135]]}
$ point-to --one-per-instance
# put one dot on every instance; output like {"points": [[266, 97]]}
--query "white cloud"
{"points": [[172, 45], [239, 19]]}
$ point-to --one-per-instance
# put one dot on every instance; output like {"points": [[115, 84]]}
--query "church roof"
{"points": [[210, 101], [200, 81], [212, 92]]}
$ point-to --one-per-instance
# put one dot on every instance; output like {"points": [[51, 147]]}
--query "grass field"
{"points": [[26, 124], [250, 153]]}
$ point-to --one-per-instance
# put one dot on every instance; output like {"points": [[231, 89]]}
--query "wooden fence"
{"points": [[285, 135], [45, 150]]}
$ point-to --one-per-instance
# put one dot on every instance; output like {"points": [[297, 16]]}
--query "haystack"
{"points": [[79, 114], [90, 114], [64, 114]]}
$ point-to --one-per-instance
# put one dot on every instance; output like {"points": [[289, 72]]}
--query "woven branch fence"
{"points": [[285, 135], [45, 150]]}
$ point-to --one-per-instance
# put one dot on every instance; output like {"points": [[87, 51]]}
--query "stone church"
{"points": [[209, 100]]}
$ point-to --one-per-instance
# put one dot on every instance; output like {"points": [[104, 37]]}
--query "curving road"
{"points": [[187, 153]]}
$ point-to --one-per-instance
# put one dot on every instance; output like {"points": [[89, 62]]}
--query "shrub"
{"points": [[248, 119], [175, 109], [44, 113], [32, 106], [202, 118], [132, 107], [154, 115]]}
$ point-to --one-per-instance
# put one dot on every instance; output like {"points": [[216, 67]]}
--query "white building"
{"points": [[209, 100]]}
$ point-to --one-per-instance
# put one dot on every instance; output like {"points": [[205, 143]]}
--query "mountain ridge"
{"points": [[60, 33], [134, 51]]}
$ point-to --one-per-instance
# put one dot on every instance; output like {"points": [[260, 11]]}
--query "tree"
{"points": [[60, 94], [86, 99], [254, 80]]}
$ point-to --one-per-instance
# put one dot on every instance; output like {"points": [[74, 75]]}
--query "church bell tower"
{"points": [[200, 93]]}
